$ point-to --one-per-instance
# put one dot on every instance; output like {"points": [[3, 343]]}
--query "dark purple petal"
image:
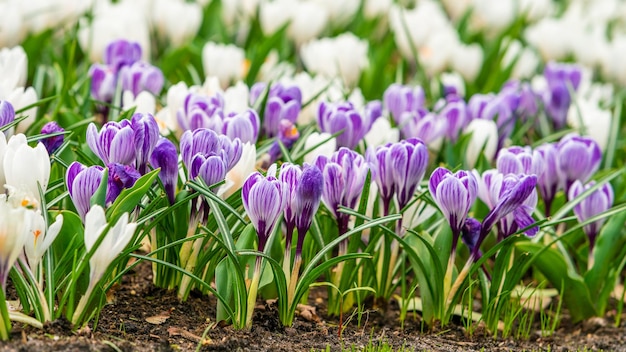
{"points": [[52, 143]]}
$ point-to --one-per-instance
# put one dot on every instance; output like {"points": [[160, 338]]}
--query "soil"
{"points": [[145, 318]]}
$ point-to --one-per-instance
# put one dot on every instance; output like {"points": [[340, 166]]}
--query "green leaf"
{"points": [[571, 285], [129, 198], [99, 197]]}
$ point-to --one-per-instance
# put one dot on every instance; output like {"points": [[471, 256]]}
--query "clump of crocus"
{"points": [[283, 103], [264, 199], [345, 118], [595, 203]]}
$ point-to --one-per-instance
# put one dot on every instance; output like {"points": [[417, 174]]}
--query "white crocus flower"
{"points": [[226, 62], [484, 138], [143, 103], [275, 14], [341, 12], [327, 148], [236, 97], [240, 172], [40, 238], [167, 15], [524, 59], [593, 120], [11, 24], [21, 98], [467, 60], [3, 150], [13, 70], [376, 8], [344, 56], [381, 133], [111, 246], [307, 22], [26, 167], [453, 80], [15, 222]]}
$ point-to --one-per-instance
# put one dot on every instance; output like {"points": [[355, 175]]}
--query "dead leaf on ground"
{"points": [[308, 312], [174, 331], [159, 318]]}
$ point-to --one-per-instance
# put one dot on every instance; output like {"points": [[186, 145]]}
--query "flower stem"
{"points": [[5, 321], [252, 291]]}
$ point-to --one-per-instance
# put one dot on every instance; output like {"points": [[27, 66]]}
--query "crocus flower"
{"points": [[519, 160], [200, 111], [52, 143], [146, 133], [7, 113], [121, 53], [82, 182], [409, 159], [429, 127], [283, 103], [484, 139], [287, 135], [227, 62], [381, 165], [578, 159], [308, 195], [264, 199], [595, 203], [42, 237], [115, 143], [244, 125], [120, 177], [454, 194], [26, 167], [290, 175], [399, 99], [344, 175], [336, 117], [318, 144], [165, 156], [455, 115], [141, 76], [15, 222], [560, 78], [548, 180], [103, 82]]}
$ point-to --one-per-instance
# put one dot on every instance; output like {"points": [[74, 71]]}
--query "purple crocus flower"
{"points": [[454, 194], [548, 180], [336, 117], [165, 156], [595, 203], [264, 199], [121, 53], [288, 134], [344, 176], [308, 196], [470, 233], [115, 143], [477, 105], [512, 197], [493, 188], [54, 142], [82, 182], [283, 103], [578, 159], [141, 76], [120, 177], [557, 99], [290, 175], [519, 160], [455, 117], [146, 134], [428, 128], [200, 111], [381, 165], [409, 159], [526, 99], [7, 113], [399, 99], [103, 82], [244, 125], [209, 155]]}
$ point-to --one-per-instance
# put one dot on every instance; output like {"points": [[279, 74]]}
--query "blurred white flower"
{"points": [[238, 12], [12, 29], [593, 120], [344, 56], [376, 8], [144, 102], [122, 20], [549, 37], [166, 117], [341, 12], [468, 60], [491, 16], [453, 80], [524, 59], [414, 28], [13, 69], [381, 133], [176, 20], [226, 62], [275, 14], [484, 138], [327, 147], [308, 20], [236, 97], [21, 98]]}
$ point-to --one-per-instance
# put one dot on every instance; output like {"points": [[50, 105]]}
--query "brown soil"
{"points": [[145, 318]]}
